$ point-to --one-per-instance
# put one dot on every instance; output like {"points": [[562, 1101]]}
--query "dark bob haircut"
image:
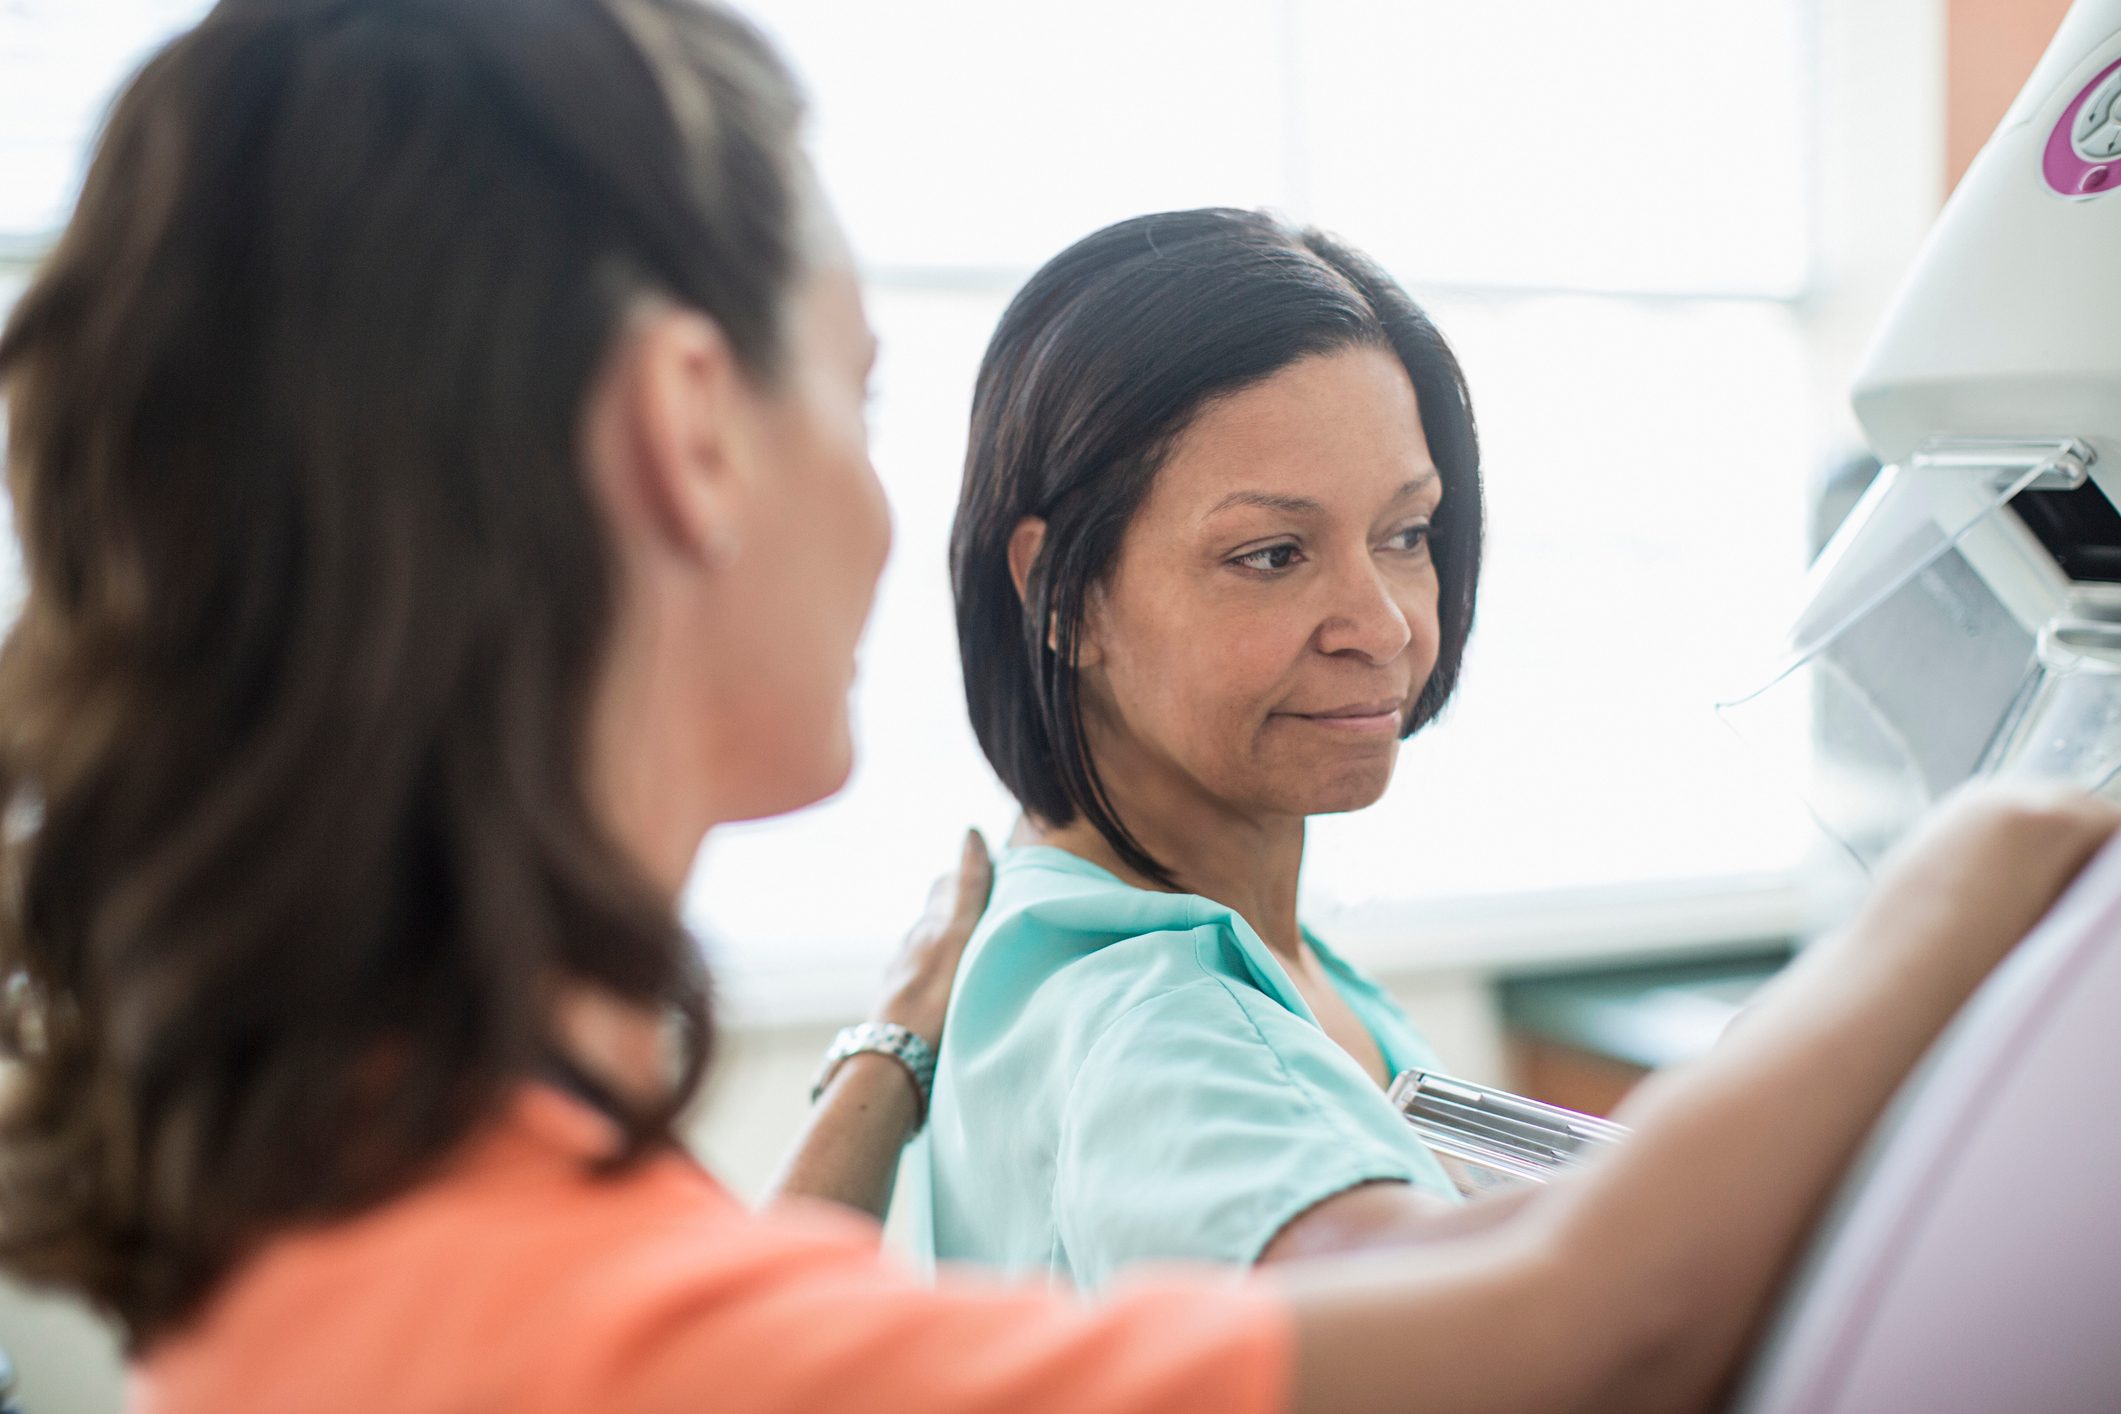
{"points": [[1096, 369]]}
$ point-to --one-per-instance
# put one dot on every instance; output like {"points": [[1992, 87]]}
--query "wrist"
{"points": [[874, 1082], [905, 1049], [916, 1012]]}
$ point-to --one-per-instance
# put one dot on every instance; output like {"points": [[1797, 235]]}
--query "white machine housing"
{"points": [[2009, 323], [1967, 617]]}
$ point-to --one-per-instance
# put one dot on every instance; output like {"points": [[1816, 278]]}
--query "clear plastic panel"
{"points": [[1904, 668], [2069, 727]]}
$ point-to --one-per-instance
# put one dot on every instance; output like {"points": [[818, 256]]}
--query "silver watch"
{"points": [[909, 1048]]}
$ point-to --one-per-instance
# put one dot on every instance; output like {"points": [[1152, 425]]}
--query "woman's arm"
{"points": [[849, 1149], [1636, 1283], [1387, 1214]]}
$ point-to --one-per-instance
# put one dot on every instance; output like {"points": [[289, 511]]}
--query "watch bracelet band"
{"points": [[909, 1048]]}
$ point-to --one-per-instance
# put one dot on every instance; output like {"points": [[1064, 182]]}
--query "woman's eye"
{"points": [[1414, 537], [1269, 559]]}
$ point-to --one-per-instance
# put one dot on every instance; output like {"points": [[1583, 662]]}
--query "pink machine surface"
{"points": [[1974, 1259]]}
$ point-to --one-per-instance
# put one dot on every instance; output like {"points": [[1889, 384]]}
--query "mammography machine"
{"points": [[1965, 621]]}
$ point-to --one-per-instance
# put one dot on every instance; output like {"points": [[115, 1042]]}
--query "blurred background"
{"points": [[1657, 232]]}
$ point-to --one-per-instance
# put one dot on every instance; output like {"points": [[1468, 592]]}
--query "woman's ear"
{"points": [[1025, 542], [681, 395]]}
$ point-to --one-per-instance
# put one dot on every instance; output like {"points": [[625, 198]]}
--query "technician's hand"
{"points": [[848, 1153], [917, 983], [1985, 868]]}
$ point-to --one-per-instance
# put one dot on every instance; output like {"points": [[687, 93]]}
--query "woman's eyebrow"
{"points": [[1418, 483], [1267, 500], [1305, 505]]}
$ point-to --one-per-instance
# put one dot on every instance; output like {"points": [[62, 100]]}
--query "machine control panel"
{"points": [[2095, 135], [2083, 154]]}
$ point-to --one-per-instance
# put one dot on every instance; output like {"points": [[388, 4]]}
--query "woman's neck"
{"points": [[622, 1046], [1249, 867]]}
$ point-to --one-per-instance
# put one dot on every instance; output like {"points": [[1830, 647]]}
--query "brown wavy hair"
{"points": [[293, 722]]}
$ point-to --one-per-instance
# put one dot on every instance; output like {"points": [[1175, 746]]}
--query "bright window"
{"points": [[1608, 208], [60, 60], [1605, 207]]}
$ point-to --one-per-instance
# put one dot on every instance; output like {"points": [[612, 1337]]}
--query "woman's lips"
{"points": [[1358, 718]]}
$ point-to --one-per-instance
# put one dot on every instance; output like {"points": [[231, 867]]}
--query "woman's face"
{"points": [[1271, 618], [798, 589]]}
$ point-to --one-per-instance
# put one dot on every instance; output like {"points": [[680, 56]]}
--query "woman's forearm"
{"points": [[1734, 1156], [1388, 1214], [1633, 1284], [1636, 1283], [849, 1149]]}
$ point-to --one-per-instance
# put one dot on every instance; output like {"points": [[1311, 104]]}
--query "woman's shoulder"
{"points": [[1066, 947], [1057, 921], [519, 1280], [538, 1244]]}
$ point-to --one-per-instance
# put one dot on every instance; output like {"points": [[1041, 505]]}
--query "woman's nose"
{"points": [[1364, 616]]}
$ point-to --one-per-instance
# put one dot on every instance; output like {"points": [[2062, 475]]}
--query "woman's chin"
{"points": [[828, 776], [1342, 805], [819, 770], [1340, 792]]}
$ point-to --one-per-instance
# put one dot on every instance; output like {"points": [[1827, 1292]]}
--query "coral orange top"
{"points": [[519, 1281]]}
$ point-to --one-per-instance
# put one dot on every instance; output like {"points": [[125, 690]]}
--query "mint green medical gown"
{"points": [[1130, 1076]]}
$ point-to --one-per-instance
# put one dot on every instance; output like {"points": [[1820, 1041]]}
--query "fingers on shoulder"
{"points": [[974, 878]]}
